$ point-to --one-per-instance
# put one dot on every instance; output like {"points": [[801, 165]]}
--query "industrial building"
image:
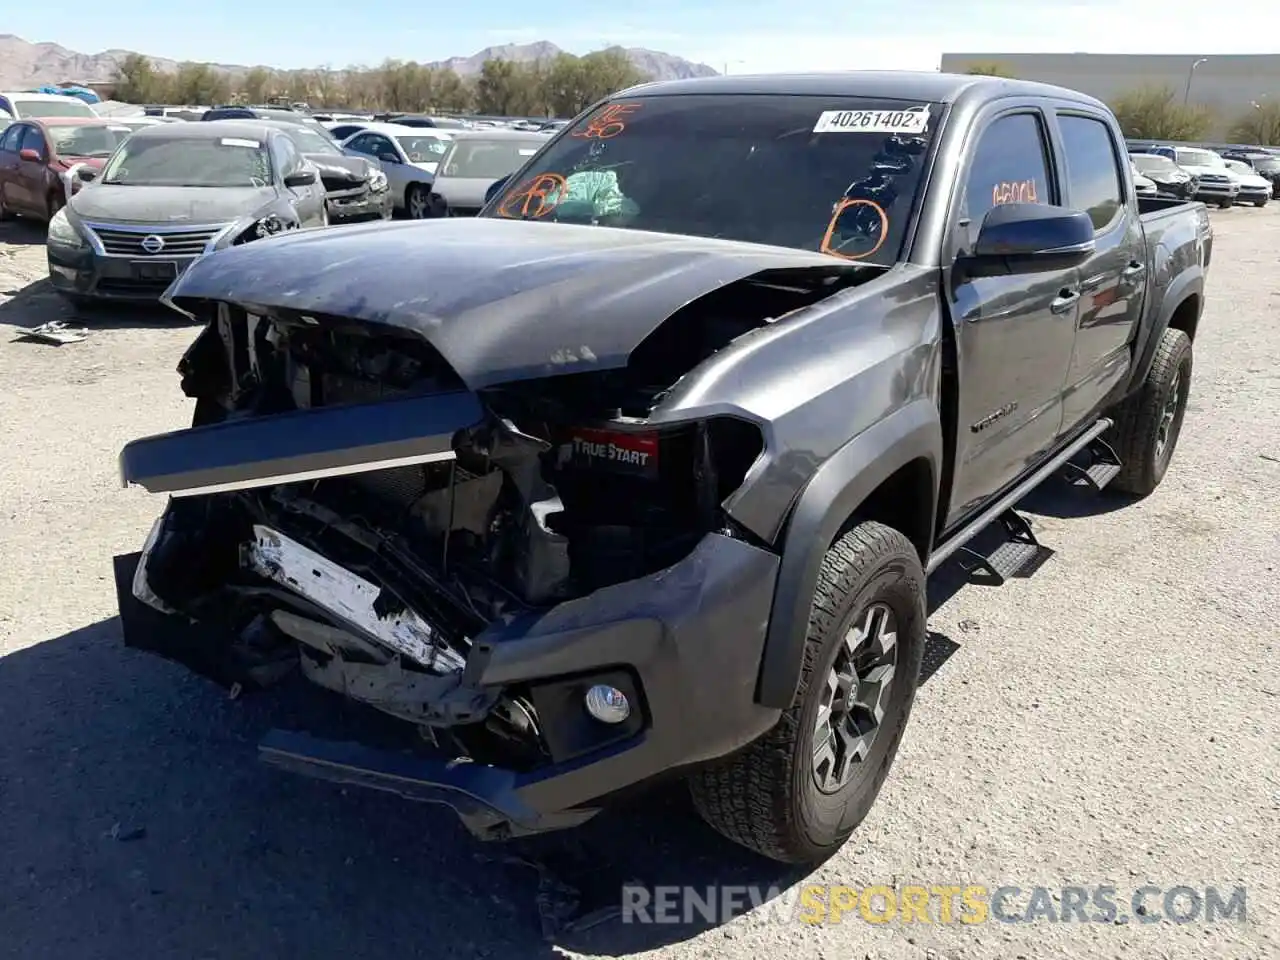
{"points": [[1228, 85]]}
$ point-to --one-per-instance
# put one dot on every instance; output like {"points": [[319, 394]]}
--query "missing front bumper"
{"points": [[688, 639]]}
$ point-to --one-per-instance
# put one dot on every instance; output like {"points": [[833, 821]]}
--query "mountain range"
{"points": [[24, 64]]}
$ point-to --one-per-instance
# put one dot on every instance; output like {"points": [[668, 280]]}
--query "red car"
{"points": [[37, 155]]}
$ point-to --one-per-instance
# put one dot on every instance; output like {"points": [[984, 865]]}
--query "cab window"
{"points": [[1010, 165], [1093, 169]]}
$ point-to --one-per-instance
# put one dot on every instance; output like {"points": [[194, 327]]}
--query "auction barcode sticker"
{"points": [[911, 120]]}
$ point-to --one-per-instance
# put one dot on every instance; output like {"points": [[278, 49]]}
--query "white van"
{"points": [[24, 106]]}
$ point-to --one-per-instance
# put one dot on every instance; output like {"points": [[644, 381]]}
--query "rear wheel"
{"points": [[416, 201], [1148, 423], [55, 203], [797, 793], [4, 211]]}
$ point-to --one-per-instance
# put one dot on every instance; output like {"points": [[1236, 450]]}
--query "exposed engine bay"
{"points": [[376, 581]]}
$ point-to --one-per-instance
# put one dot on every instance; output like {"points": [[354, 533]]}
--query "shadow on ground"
{"points": [[138, 822], [23, 233], [38, 303]]}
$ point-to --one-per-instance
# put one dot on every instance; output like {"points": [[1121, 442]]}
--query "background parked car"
{"points": [[476, 159], [1170, 179], [258, 113], [355, 186], [1141, 185], [21, 105], [38, 158], [1214, 182], [1264, 164], [170, 194], [1254, 189], [346, 129], [408, 156]]}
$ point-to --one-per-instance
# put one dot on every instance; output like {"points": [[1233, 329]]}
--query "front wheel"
{"points": [[417, 201], [1149, 422], [1226, 204], [1259, 203], [798, 793]]}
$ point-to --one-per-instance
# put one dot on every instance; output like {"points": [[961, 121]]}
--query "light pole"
{"points": [[1186, 94], [726, 65]]}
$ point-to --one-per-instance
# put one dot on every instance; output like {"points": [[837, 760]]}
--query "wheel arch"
{"points": [[888, 473]]}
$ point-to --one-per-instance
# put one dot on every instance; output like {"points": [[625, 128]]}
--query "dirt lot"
{"points": [[1113, 719]]}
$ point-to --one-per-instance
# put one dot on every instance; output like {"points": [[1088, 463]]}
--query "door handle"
{"points": [[1065, 300], [1134, 270]]}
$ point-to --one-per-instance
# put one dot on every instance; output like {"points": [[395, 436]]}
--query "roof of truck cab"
{"points": [[929, 86]]}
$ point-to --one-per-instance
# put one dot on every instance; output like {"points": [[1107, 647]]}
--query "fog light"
{"points": [[607, 704]]}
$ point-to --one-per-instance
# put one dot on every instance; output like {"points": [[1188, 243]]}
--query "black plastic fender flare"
{"points": [[834, 493], [1189, 284]]}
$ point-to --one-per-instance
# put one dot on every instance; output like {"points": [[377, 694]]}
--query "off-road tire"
{"points": [[764, 796], [1135, 435]]}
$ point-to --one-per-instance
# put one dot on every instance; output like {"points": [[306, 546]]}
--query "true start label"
{"points": [[632, 452], [911, 120]]}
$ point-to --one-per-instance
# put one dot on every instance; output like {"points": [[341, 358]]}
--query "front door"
{"points": [[1112, 281], [1014, 334]]}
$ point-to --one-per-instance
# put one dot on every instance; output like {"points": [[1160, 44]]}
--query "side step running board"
{"points": [[1023, 547], [1016, 555], [1102, 469]]}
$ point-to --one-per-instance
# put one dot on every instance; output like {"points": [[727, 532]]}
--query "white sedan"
{"points": [[408, 156], [1253, 188]]}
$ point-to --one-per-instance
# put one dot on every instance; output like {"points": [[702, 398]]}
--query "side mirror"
{"points": [[388, 158], [28, 154], [87, 173], [495, 188], [300, 178], [1029, 238]]}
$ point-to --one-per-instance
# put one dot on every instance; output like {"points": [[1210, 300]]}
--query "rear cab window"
{"points": [[839, 175], [1093, 169]]}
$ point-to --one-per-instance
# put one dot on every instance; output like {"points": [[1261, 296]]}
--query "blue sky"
{"points": [[742, 35]]}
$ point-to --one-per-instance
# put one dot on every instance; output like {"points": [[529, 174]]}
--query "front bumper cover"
{"points": [[687, 641]]}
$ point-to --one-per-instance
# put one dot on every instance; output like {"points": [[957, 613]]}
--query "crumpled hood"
{"points": [[339, 172], [501, 300], [139, 204]]}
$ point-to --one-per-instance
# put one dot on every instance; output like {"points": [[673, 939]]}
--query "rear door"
{"points": [[1114, 279], [29, 182], [9, 140], [1014, 334]]}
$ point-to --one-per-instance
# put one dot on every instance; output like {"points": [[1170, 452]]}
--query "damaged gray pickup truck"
{"points": [[641, 472]]}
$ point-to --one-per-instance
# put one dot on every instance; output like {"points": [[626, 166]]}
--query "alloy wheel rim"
{"points": [[854, 698], [1169, 415], [417, 205]]}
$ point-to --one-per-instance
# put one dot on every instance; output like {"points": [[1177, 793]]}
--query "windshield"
{"points": [[837, 175], [1153, 164], [479, 159], [309, 141], [425, 149], [189, 162], [1263, 166], [65, 107], [1235, 166], [1199, 158], [86, 141]]}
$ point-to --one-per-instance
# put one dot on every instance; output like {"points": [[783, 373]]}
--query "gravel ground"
{"points": [[1111, 719]]}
